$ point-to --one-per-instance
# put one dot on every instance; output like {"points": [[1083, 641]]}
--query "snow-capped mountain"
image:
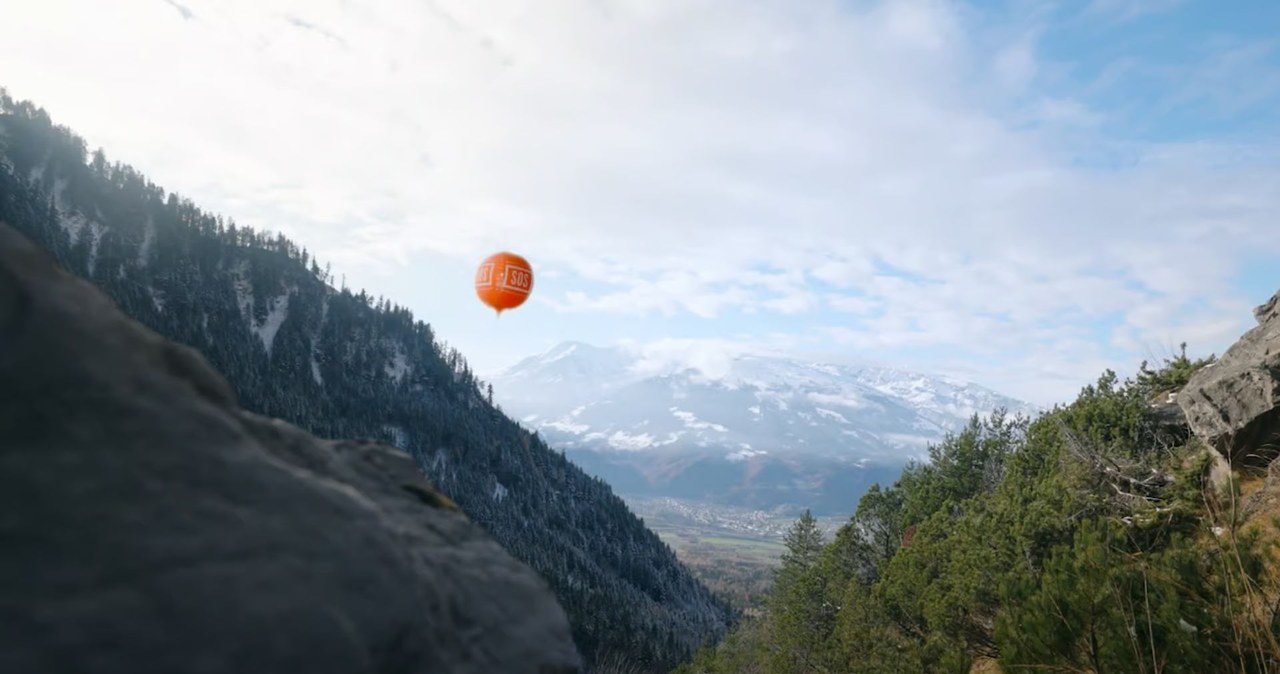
{"points": [[766, 431]]}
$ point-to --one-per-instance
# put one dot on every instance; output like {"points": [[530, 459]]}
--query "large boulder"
{"points": [[149, 525], [1234, 404]]}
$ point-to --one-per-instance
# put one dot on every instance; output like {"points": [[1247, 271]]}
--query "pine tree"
{"points": [[796, 601], [804, 543]]}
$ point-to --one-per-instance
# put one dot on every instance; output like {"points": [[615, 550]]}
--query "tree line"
{"points": [[1084, 540]]}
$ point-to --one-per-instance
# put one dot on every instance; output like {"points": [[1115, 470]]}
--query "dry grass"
{"points": [[1259, 501], [985, 666], [1251, 507]]}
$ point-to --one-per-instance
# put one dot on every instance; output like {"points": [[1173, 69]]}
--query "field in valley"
{"points": [[732, 550]]}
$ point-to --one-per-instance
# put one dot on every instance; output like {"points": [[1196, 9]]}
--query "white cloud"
{"points": [[710, 358], [1016, 63], [567, 426], [672, 157], [631, 441]]}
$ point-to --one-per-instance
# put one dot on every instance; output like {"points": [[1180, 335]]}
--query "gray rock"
{"points": [[149, 525], [1234, 404], [1268, 310], [1169, 418]]}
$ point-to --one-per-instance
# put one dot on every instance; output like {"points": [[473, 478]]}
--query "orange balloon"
{"points": [[504, 281]]}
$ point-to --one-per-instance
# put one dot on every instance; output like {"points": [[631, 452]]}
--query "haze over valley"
{"points": [[757, 433]]}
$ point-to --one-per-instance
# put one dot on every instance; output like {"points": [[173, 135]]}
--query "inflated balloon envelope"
{"points": [[504, 281]]}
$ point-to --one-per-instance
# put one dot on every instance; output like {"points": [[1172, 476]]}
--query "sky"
{"points": [[1019, 193]]}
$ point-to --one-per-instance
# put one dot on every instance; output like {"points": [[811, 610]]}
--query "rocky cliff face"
{"points": [[149, 525], [1234, 404]]}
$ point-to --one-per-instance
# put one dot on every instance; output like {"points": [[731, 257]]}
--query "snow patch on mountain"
{"points": [[838, 400], [830, 414], [559, 353], [60, 193], [399, 437], [628, 441], [96, 231], [277, 311], [148, 238], [398, 366], [315, 338], [76, 225], [620, 399], [440, 461], [157, 298], [691, 421], [243, 289], [744, 454], [73, 224]]}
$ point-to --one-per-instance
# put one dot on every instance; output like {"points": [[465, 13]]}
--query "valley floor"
{"points": [[733, 550]]}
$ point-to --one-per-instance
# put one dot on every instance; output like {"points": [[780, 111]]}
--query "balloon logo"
{"points": [[504, 281]]}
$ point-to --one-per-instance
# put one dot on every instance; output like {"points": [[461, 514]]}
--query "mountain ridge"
{"points": [[758, 431]]}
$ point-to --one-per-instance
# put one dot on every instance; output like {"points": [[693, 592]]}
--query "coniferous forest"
{"points": [[1085, 540], [342, 364]]}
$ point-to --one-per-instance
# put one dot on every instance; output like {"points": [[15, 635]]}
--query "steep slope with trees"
{"points": [[343, 364], [153, 527], [1085, 540]]}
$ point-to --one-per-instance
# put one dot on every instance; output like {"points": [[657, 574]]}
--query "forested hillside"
{"points": [[343, 364], [1082, 541]]}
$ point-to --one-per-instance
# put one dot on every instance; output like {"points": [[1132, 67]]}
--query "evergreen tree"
{"points": [[797, 605], [804, 543], [1082, 541]]}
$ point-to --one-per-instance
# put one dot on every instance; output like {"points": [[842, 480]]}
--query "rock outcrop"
{"points": [[149, 525], [1234, 403]]}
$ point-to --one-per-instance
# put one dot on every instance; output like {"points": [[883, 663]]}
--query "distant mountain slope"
{"points": [[341, 364], [767, 432]]}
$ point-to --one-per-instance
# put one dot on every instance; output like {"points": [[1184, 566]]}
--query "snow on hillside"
{"points": [[277, 311], [752, 431], [589, 397]]}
